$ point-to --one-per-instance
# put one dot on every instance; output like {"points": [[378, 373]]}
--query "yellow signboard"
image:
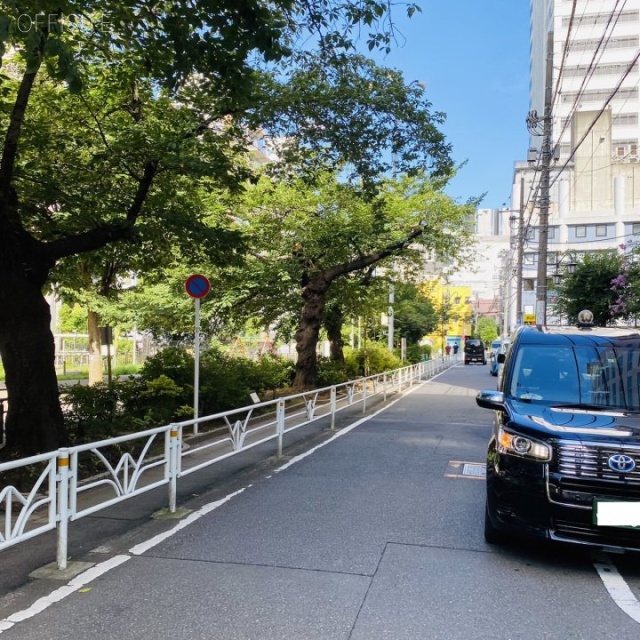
{"points": [[529, 318]]}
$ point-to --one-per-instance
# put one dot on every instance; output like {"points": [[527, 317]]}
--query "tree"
{"points": [[163, 88], [626, 284], [591, 287], [306, 238], [414, 314], [487, 330]]}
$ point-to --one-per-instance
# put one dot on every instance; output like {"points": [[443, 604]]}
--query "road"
{"points": [[375, 534]]}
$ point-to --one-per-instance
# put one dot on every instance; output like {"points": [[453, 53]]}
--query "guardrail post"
{"points": [[333, 405], [384, 387], [364, 396], [174, 454], [63, 508], [280, 425]]}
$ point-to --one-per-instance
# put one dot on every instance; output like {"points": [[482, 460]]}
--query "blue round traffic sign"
{"points": [[197, 285]]}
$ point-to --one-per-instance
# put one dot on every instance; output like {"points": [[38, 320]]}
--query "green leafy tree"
{"points": [[306, 238], [487, 330], [157, 90], [414, 315], [591, 287]]}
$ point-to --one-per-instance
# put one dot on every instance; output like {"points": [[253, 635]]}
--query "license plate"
{"points": [[616, 513]]}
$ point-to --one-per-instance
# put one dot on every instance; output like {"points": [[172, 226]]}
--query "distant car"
{"points": [[497, 347], [563, 461], [474, 351]]}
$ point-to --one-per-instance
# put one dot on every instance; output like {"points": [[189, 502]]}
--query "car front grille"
{"points": [[587, 462]]}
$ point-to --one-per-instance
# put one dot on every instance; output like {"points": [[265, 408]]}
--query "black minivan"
{"points": [[474, 351], [563, 461]]}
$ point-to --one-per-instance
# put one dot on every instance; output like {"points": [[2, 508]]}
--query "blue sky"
{"points": [[473, 56]]}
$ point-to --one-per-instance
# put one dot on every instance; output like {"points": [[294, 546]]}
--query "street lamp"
{"points": [[566, 265]]}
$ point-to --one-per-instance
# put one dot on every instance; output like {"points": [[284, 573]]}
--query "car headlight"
{"points": [[523, 446]]}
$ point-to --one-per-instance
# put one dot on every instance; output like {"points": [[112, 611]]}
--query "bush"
{"points": [[331, 372], [104, 411], [418, 353], [175, 363], [371, 359]]}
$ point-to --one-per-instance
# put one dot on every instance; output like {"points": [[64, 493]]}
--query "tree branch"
{"points": [[102, 235], [16, 120], [364, 261]]}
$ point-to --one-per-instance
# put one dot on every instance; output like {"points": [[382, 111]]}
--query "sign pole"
{"points": [[197, 286], [196, 371]]}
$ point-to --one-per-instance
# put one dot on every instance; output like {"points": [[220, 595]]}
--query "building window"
{"points": [[528, 258], [531, 233], [581, 231], [635, 229], [528, 284], [551, 233], [601, 231]]}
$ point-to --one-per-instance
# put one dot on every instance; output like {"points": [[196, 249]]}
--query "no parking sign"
{"points": [[197, 286]]}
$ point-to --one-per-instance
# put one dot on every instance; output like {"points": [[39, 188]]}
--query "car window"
{"points": [[545, 373], [610, 377], [599, 376]]}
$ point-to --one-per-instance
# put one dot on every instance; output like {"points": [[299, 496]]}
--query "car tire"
{"points": [[466, 362], [491, 534]]}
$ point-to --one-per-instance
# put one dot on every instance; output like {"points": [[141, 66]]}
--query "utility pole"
{"points": [[543, 237], [519, 256]]}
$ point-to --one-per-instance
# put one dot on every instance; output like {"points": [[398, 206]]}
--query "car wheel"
{"points": [[466, 362], [491, 534]]}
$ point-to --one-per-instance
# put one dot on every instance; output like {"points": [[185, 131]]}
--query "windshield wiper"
{"points": [[584, 406]]}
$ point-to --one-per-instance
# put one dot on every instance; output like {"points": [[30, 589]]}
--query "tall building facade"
{"points": [[594, 194], [595, 45]]}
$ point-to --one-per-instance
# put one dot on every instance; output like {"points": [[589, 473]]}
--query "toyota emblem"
{"points": [[621, 463]]}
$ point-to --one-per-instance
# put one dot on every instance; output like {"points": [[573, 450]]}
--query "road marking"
{"points": [[618, 589], [196, 515], [62, 592]]}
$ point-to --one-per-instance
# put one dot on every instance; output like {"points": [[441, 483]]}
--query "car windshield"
{"points": [[604, 377]]}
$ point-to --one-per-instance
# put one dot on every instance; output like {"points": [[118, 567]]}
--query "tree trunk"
{"points": [[34, 419], [306, 375], [333, 320], [95, 348]]}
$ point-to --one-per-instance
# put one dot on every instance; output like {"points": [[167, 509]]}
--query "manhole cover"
{"points": [[458, 469], [474, 469]]}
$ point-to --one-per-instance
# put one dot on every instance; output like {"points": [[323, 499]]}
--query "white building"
{"points": [[594, 195]]}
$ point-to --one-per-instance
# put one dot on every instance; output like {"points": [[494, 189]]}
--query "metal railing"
{"points": [[70, 483]]}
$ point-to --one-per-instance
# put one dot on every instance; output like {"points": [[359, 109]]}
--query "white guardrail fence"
{"points": [[68, 484]]}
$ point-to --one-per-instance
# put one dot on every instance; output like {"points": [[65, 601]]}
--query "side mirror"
{"points": [[490, 399], [501, 358]]}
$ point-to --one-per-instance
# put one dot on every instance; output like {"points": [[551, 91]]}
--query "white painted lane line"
{"points": [[618, 589], [59, 594], [346, 430], [152, 542]]}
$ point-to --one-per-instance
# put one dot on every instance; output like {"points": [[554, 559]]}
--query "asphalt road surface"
{"points": [[375, 534]]}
